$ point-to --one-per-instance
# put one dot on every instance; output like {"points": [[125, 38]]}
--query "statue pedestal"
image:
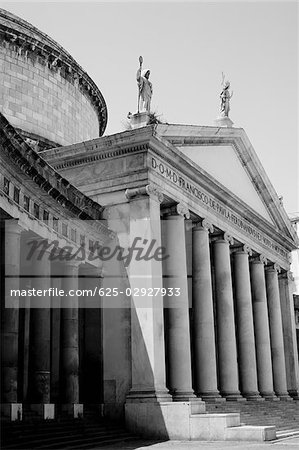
{"points": [[224, 122], [139, 120]]}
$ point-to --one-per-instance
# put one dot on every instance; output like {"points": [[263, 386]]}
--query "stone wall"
{"points": [[40, 101]]}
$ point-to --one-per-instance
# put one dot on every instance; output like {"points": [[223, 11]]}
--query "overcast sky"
{"points": [[187, 46]]}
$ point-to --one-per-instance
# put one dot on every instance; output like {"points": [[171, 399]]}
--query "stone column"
{"points": [[244, 322], [91, 345], [261, 328], [147, 325], [203, 315], [11, 232], [276, 333], [177, 307], [69, 371], [40, 325], [289, 333], [226, 335]]}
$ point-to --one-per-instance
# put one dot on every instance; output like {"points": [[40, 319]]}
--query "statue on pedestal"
{"points": [[225, 97], [145, 88]]}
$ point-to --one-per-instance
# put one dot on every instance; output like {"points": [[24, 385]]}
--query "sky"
{"points": [[187, 45]]}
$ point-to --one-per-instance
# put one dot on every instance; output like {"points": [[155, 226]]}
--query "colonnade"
{"points": [[237, 336], [38, 274], [237, 345]]}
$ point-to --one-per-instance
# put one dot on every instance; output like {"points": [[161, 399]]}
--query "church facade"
{"points": [[175, 230]]}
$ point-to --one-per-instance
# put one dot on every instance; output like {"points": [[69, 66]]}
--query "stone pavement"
{"points": [[283, 444]]}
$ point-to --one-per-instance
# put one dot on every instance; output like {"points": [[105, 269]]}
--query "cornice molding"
{"points": [[34, 166], [100, 156]]}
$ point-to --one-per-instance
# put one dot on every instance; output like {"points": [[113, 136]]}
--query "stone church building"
{"points": [[175, 230]]}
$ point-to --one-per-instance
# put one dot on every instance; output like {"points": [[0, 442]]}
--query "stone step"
{"points": [[281, 414], [64, 433], [61, 434], [250, 433], [227, 427], [284, 434]]}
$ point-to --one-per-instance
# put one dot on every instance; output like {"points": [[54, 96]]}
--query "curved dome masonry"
{"points": [[45, 94]]}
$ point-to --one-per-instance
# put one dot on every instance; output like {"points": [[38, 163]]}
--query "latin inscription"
{"points": [[213, 204]]}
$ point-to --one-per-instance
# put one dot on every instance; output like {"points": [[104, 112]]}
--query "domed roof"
{"points": [[27, 39]]}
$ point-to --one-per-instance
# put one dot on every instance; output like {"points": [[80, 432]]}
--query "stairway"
{"points": [[62, 433], [284, 415]]}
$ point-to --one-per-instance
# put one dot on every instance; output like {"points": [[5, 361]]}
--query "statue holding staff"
{"points": [[225, 97], [145, 88]]}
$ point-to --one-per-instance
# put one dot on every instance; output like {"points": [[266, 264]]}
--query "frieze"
{"points": [[215, 206]]}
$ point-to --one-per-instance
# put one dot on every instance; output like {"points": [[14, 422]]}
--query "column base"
{"points": [[253, 396], [269, 396], [178, 396], [284, 397], [45, 411], [294, 394], [74, 410], [211, 397], [148, 396], [233, 397], [12, 411]]}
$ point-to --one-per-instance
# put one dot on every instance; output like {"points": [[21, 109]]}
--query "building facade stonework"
{"points": [[206, 316], [44, 92]]}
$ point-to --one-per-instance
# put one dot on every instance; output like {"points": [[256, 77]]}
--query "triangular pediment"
{"points": [[227, 157], [223, 164]]}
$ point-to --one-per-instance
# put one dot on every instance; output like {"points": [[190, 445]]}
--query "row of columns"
{"points": [[247, 353], [40, 339]]}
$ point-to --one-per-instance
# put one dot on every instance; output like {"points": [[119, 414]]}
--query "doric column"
{"points": [[147, 321], [11, 232], [177, 306], [244, 323], [261, 328], [69, 371], [226, 336], [39, 358], [285, 280], [203, 315], [276, 334]]}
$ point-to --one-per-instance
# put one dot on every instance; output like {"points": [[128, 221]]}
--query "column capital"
{"points": [[228, 238], [149, 190], [224, 237], [179, 209], [259, 259], [287, 274], [274, 266], [244, 249], [203, 225]]}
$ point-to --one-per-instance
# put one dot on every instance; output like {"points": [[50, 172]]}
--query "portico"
{"points": [[224, 337]]}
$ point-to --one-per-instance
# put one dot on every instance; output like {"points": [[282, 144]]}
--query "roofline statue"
{"points": [[145, 88], [225, 97], [223, 119]]}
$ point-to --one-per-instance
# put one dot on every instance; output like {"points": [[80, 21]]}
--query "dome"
{"points": [[44, 92]]}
